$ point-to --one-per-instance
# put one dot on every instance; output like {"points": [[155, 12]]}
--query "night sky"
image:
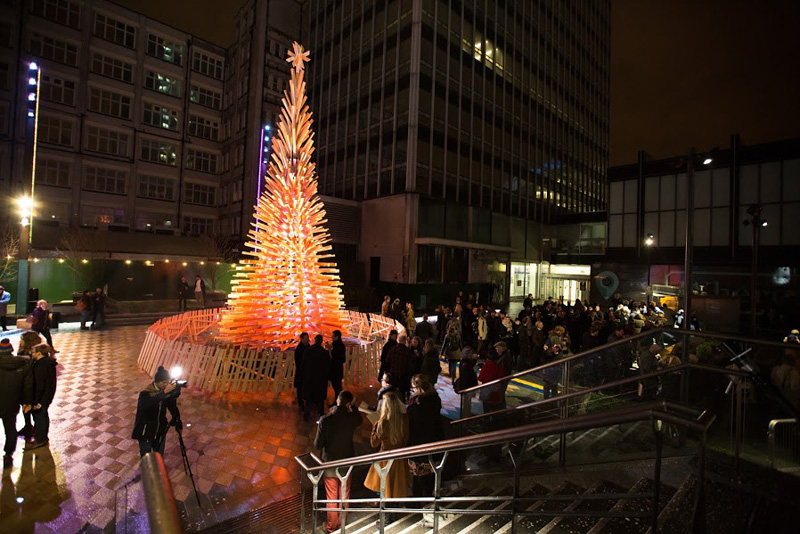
{"points": [[683, 72]]}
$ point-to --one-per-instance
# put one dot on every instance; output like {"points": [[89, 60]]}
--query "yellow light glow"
{"points": [[166, 261], [127, 262], [60, 260], [203, 263], [84, 260], [35, 260], [184, 264]]}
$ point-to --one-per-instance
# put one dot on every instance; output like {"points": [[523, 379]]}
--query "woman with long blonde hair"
{"points": [[390, 432]]}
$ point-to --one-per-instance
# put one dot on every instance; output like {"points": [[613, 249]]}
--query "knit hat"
{"points": [[161, 375], [5, 347]]}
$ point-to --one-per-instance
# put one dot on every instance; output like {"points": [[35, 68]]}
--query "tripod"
{"points": [[186, 467]]}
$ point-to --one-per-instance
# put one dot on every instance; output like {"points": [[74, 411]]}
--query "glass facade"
{"points": [[501, 106]]}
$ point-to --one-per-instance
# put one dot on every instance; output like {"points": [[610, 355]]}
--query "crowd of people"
{"points": [[27, 382]]}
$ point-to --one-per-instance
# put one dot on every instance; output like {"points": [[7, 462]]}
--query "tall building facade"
{"points": [[464, 128], [143, 130]]}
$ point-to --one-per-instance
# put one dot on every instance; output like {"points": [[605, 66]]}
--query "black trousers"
{"points": [[10, 428], [47, 337], [4, 321], [423, 486], [336, 383], [181, 303]]}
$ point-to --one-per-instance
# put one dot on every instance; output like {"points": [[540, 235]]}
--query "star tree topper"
{"points": [[297, 56]]}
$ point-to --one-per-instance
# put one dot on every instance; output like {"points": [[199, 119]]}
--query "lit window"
{"points": [[165, 50], [158, 152], [161, 83], [159, 116], [205, 97]]}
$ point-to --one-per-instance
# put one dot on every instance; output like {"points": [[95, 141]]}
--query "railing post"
{"points": [[314, 497], [382, 472], [162, 514], [658, 434], [562, 440], [437, 488], [516, 461], [344, 482], [739, 422], [699, 518]]}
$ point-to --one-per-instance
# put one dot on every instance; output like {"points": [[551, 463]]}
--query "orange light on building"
{"points": [[288, 283]]}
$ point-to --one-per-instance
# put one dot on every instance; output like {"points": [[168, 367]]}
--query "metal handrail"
{"points": [[771, 436], [657, 409], [162, 513], [654, 411], [626, 341], [601, 387]]}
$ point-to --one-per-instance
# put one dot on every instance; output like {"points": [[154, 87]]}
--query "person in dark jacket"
{"points": [[387, 386], [5, 298], [27, 341], [299, 350], [424, 426], [385, 352], [150, 426], [400, 362], [424, 329], [430, 367], [86, 302], [16, 388], [184, 292], [44, 389], [40, 322], [468, 378], [316, 366], [98, 309], [338, 358], [334, 441]]}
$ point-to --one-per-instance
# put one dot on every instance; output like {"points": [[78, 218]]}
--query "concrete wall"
{"points": [[384, 225]]}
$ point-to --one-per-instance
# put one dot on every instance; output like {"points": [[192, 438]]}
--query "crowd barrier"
{"points": [[187, 340]]}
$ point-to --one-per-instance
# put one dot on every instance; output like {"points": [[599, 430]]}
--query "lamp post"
{"points": [[757, 222], [649, 241]]}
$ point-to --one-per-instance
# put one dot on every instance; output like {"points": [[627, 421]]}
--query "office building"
{"points": [[464, 129]]}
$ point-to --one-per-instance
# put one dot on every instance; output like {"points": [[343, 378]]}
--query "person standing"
{"points": [[334, 441], [316, 366], [338, 358], [387, 301], [391, 342], [424, 329], [86, 308], [430, 367], [494, 397], [150, 425], [40, 322], [298, 368], [199, 292], [16, 388], [98, 309], [5, 297], [184, 290], [400, 362], [27, 341], [424, 426], [390, 432], [483, 335], [44, 390]]}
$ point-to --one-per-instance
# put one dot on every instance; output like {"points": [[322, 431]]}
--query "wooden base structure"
{"points": [[188, 340]]}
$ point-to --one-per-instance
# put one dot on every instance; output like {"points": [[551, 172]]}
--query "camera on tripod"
{"points": [[175, 373]]}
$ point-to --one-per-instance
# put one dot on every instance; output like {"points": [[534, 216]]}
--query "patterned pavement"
{"points": [[241, 447]]}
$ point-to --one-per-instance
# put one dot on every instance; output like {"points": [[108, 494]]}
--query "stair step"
{"points": [[497, 523], [583, 524], [534, 524]]}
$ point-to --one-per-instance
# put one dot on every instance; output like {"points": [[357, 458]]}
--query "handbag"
{"points": [[419, 469], [80, 306]]}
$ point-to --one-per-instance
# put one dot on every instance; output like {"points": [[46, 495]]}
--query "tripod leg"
{"points": [[188, 468]]}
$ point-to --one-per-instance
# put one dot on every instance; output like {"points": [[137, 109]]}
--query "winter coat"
{"points": [[338, 358], [384, 353], [424, 420], [466, 376], [5, 297], [99, 302], [316, 366], [430, 366], [492, 370], [398, 477], [298, 365], [424, 330], [151, 413], [44, 380], [16, 384], [41, 319], [335, 433], [87, 302]]}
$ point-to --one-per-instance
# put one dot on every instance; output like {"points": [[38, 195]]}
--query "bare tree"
{"points": [[9, 248], [219, 251], [83, 248]]}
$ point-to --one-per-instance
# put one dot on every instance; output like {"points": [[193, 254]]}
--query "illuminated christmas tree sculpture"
{"points": [[288, 284]]}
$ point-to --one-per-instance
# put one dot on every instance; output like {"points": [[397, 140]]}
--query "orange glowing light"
{"points": [[288, 283]]}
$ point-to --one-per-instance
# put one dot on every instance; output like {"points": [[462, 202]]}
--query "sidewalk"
{"points": [[241, 447]]}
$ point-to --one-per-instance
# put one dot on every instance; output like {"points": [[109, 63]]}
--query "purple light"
{"points": [[31, 97], [31, 81], [33, 66]]}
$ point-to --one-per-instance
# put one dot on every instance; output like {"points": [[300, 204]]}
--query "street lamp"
{"points": [[757, 222], [649, 241]]}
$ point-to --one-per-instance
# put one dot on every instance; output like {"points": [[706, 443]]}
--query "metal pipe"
{"points": [[162, 514]]}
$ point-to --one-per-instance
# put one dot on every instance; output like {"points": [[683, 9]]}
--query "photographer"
{"points": [[150, 427]]}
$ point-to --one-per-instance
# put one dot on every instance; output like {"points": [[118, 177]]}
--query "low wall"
{"points": [[187, 340]]}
